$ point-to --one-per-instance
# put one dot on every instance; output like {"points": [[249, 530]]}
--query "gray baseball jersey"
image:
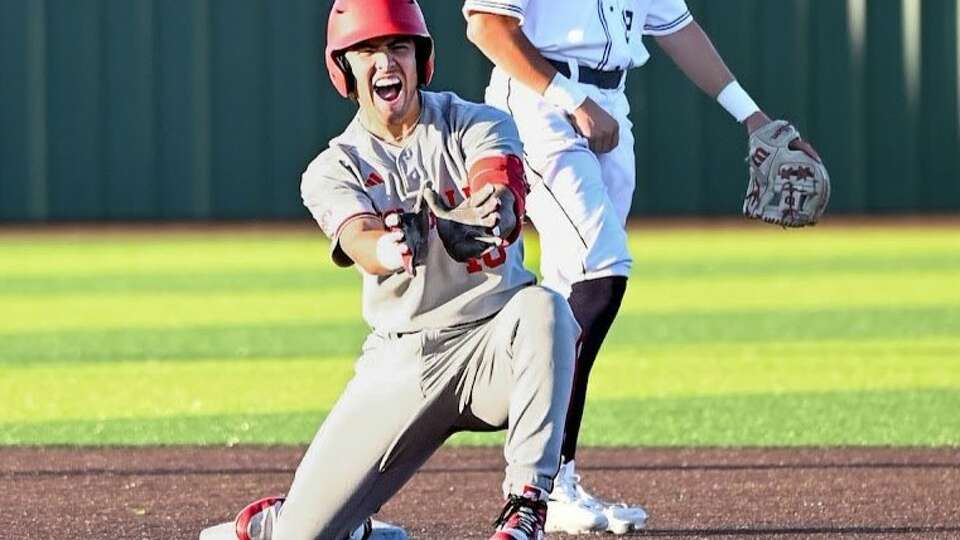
{"points": [[363, 176]]}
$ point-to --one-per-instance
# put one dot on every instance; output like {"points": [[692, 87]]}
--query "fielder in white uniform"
{"points": [[560, 71], [454, 346]]}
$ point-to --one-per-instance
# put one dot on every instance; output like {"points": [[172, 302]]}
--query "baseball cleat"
{"points": [[256, 520], [568, 512], [571, 505], [523, 517]]}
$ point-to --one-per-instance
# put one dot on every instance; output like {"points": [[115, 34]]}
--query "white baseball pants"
{"points": [[579, 201]]}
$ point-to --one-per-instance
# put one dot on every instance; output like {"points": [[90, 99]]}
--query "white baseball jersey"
{"points": [[579, 201], [602, 34], [361, 175]]}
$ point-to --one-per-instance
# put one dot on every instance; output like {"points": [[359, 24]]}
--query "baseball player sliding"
{"points": [[560, 69], [425, 194]]}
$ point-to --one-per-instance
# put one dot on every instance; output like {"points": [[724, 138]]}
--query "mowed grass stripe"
{"points": [[791, 293], [309, 281], [791, 244], [626, 372], [164, 310], [130, 389], [86, 254], [850, 418], [124, 389], [732, 293], [321, 278], [278, 340], [314, 339], [92, 254], [871, 418]]}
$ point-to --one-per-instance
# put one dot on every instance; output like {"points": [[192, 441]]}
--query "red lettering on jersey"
{"points": [[491, 259], [495, 258], [373, 179]]}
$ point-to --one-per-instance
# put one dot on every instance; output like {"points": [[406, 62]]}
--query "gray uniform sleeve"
{"points": [[487, 132], [332, 192]]}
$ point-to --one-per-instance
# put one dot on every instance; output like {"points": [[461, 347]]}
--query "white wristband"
{"points": [[564, 93], [737, 102]]}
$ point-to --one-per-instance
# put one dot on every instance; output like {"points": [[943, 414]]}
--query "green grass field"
{"points": [[756, 336]]}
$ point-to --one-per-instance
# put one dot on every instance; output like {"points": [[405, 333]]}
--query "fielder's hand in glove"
{"points": [[789, 184], [475, 225], [405, 245]]}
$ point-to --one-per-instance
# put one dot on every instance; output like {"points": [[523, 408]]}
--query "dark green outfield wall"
{"points": [[180, 109]]}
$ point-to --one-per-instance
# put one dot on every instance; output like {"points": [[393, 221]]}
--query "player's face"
{"points": [[386, 73]]}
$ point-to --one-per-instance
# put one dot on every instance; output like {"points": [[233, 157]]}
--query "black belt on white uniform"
{"points": [[607, 80]]}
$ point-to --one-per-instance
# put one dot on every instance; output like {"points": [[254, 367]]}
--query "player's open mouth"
{"points": [[388, 88]]}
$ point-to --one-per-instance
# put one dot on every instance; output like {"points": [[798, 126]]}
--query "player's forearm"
{"points": [[502, 40], [692, 51], [359, 241]]}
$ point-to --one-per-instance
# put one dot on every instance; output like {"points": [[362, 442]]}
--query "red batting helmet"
{"points": [[353, 21]]}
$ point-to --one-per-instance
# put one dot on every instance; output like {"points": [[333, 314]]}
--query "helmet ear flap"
{"points": [[424, 48], [344, 65]]}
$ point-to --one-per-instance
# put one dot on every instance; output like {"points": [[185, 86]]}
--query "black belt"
{"points": [[607, 80]]}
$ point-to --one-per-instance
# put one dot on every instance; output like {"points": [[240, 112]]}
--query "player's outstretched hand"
{"points": [[469, 229], [405, 244], [595, 124], [481, 208]]}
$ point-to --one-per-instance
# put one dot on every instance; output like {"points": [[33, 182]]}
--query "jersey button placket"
{"points": [[409, 174], [403, 173]]}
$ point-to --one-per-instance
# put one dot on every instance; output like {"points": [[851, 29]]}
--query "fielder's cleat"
{"points": [[523, 516], [569, 513], [573, 505]]}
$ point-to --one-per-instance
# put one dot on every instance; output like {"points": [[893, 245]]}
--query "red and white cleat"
{"points": [[257, 519], [523, 517]]}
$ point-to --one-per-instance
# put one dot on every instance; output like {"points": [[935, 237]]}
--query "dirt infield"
{"points": [[171, 493]]}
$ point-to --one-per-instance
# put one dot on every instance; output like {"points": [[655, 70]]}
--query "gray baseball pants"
{"points": [[411, 392]]}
